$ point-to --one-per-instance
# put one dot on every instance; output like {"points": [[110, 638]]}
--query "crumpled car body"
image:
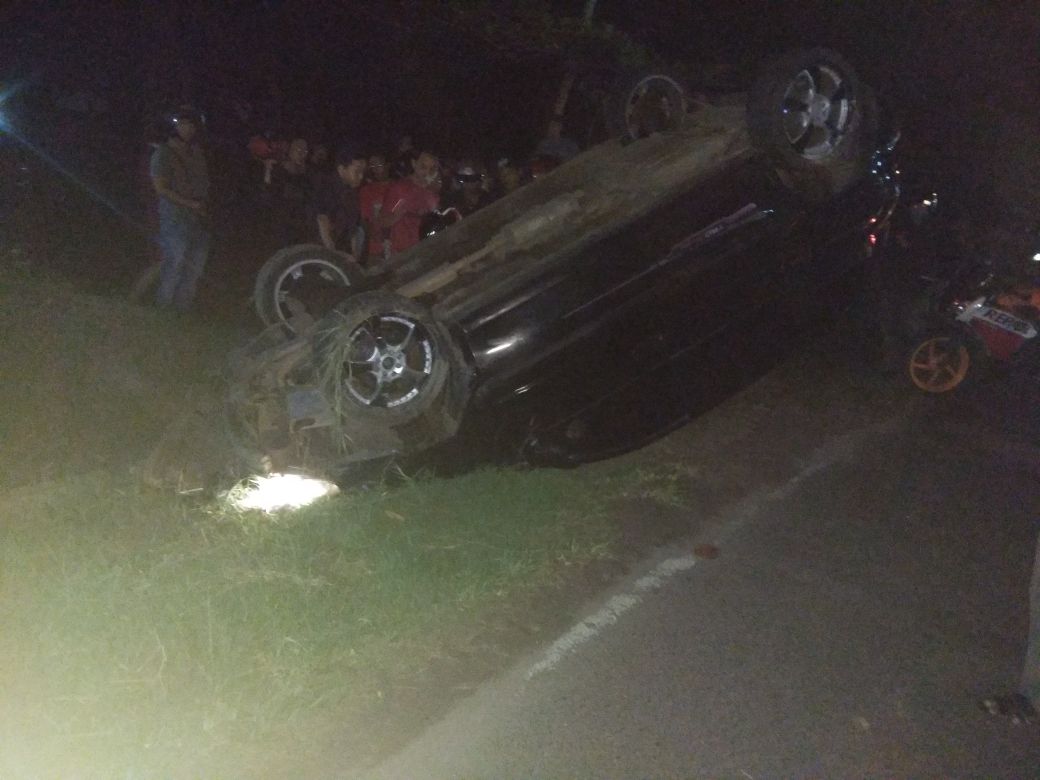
{"points": [[584, 314]]}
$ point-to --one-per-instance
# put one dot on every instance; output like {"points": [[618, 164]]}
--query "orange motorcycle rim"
{"points": [[939, 364]]}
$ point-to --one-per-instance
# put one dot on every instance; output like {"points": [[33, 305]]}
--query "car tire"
{"points": [[811, 116], [645, 103], [382, 358], [324, 276]]}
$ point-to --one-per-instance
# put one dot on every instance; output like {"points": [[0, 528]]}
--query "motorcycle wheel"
{"points": [[940, 363]]}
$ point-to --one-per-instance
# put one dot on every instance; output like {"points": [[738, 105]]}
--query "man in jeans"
{"points": [[180, 178]]}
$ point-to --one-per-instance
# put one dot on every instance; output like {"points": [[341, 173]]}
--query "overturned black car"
{"points": [[589, 311]]}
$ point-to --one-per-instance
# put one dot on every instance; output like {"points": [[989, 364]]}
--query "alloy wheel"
{"points": [[389, 360], [817, 110]]}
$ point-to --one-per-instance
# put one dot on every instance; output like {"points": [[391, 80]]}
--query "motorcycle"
{"points": [[979, 319]]}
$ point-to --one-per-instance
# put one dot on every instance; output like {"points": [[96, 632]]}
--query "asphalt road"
{"points": [[874, 552]]}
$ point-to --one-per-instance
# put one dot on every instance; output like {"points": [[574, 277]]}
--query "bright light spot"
{"points": [[927, 201], [1036, 257], [502, 346], [280, 491]]}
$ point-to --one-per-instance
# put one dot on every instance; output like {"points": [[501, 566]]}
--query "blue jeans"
{"points": [[184, 240]]}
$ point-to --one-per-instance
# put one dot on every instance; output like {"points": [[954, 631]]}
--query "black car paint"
{"points": [[666, 316]]}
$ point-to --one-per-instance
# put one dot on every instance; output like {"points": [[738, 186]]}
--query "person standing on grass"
{"points": [[181, 180]]}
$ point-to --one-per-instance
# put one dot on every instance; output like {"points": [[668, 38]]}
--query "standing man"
{"points": [[471, 195], [371, 196], [407, 200], [336, 206], [181, 180]]}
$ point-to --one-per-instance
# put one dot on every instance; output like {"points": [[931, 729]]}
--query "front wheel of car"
{"points": [[382, 358], [809, 113], [300, 284]]}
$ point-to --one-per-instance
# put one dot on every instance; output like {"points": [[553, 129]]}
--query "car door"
{"points": [[724, 298], [611, 319]]}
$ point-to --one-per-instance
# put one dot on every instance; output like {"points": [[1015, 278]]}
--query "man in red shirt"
{"points": [[371, 197], [408, 199]]}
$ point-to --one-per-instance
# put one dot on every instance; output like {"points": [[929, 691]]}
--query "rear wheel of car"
{"points": [[645, 103], [302, 284], [383, 358], [810, 114], [940, 363]]}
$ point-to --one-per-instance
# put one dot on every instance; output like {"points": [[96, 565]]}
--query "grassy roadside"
{"points": [[145, 635], [90, 382], [136, 627]]}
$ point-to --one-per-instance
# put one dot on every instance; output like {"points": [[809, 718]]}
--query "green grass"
{"points": [[88, 382], [144, 635], [135, 626]]}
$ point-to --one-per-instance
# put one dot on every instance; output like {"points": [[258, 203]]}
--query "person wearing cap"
{"points": [[336, 209], [181, 180], [408, 200], [470, 195]]}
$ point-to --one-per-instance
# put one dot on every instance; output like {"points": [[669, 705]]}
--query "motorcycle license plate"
{"points": [[1005, 321]]}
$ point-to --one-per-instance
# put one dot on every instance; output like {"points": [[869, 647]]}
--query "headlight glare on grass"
{"points": [[274, 492]]}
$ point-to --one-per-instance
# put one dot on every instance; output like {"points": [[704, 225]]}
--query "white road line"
{"points": [[664, 571], [840, 448], [590, 627]]}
